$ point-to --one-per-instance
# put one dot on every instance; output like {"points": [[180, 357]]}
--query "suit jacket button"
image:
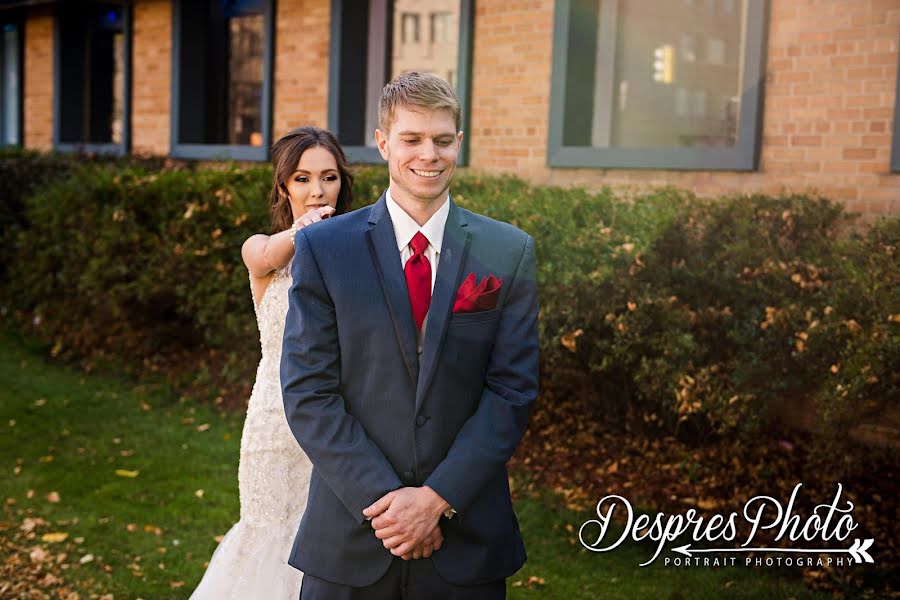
{"points": [[419, 349], [420, 420]]}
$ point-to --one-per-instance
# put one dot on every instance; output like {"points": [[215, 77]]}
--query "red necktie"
{"points": [[418, 279]]}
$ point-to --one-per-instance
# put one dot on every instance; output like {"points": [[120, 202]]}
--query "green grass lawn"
{"points": [[149, 530]]}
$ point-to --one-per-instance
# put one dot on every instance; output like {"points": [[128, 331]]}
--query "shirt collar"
{"points": [[405, 227]]}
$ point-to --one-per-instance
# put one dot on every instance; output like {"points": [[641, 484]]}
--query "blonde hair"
{"points": [[416, 90]]}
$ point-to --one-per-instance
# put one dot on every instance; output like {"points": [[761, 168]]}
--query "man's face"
{"points": [[421, 149]]}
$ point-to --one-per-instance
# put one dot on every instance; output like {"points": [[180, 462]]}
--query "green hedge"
{"points": [[684, 315]]}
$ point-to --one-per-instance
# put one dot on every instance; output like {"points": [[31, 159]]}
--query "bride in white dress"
{"points": [[311, 183]]}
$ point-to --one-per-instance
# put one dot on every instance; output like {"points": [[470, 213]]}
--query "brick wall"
{"points": [[38, 84], [301, 65], [828, 110], [151, 77]]}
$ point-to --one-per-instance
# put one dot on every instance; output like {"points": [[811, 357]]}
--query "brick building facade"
{"points": [[825, 97]]}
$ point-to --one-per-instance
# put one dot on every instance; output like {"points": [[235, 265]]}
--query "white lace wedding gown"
{"points": [[250, 562]]}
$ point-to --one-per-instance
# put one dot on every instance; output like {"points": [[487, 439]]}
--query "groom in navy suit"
{"points": [[409, 367]]}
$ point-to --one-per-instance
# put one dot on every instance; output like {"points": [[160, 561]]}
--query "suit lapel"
{"points": [[386, 258], [454, 248]]}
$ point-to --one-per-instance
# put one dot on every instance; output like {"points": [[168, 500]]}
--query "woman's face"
{"points": [[316, 182]]}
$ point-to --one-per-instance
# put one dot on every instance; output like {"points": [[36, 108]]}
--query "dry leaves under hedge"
{"points": [[582, 461]]}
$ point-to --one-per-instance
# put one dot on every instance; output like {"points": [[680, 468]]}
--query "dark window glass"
{"points": [[91, 73], [221, 54]]}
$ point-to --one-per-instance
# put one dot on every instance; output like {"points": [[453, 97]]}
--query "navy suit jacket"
{"points": [[375, 411]]}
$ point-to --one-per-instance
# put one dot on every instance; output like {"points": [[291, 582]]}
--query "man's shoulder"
{"points": [[338, 229]]}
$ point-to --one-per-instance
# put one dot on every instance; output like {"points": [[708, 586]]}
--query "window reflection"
{"points": [[10, 90], [434, 52], [654, 74], [245, 70]]}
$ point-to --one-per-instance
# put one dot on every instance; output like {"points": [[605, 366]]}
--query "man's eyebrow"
{"points": [[419, 133]]}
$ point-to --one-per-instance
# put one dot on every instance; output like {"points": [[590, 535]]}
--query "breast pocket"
{"points": [[474, 317], [470, 339]]}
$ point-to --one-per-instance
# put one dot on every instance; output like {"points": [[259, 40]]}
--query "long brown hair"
{"points": [[286, 153]]}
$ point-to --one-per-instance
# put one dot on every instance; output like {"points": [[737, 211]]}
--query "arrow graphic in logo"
{"points": [[857, 550]]}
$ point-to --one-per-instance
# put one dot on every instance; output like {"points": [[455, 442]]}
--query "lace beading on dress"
{"points": [[273, 476]]}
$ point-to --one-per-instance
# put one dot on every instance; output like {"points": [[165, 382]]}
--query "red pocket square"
{"points": [[477, 298]]}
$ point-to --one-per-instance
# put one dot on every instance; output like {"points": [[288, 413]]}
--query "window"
{"points": [[11, 85], [646, 84], [441, 28], [410, 28], [92, 71], [221, 83], [375, 40], [895, 148]]}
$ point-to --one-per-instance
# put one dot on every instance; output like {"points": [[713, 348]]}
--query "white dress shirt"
{"points": [[405, 228]]}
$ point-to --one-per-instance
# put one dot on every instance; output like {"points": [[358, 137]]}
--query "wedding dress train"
{"points": [[251, 560]]}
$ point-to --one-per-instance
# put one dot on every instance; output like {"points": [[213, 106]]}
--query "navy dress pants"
{"points": [[404, 580]]}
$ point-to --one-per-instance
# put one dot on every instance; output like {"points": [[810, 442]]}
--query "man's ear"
{"points": [[459, 138], [381, 141]]}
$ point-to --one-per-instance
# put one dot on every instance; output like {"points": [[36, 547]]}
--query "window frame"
{"points": [[895, 143], [370, 154], [123, 147], [19, 23], [743, 156], [240, 152]]}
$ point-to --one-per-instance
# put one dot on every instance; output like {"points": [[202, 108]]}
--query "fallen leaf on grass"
{"points": [[152, 529], [53, 538], [132, 527], [46, 459], [530, 582], [126, 473], [203, 427], [176, 584], [86, 559], [40, 402], [53, 497], [199, 493], [29, 524], [38, 554]]}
